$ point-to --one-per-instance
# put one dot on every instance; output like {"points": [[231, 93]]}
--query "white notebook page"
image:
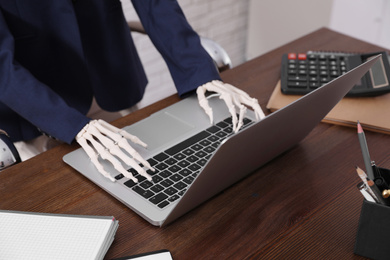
{"points": [[50, 236]]}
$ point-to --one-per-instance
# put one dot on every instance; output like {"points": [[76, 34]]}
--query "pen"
{"points": [[366, 154]]}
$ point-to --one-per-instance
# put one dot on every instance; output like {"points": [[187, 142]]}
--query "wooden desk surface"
{"points": [[303, 204]]}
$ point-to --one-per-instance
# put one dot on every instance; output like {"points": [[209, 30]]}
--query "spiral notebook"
{"points": [[26, 235]]}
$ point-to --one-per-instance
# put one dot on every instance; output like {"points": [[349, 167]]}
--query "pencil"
{"points": [[366, 154]]}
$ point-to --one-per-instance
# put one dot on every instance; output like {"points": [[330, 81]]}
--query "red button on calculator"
{"points": [[292, 56], [302, 56]]}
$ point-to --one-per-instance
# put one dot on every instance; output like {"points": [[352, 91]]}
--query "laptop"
{"points": [[194, 161]]}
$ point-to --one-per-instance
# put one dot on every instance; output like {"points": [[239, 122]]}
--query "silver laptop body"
{"points": [[237, 156]]}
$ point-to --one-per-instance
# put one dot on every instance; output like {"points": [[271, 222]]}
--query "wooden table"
{"points": [[302, 205]]}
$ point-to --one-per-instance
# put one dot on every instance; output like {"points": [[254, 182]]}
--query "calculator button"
{"points": [[297, 78], [334, 73], [292, 56], [324, 79], [322, 57], [297, 84], [301, 56]]}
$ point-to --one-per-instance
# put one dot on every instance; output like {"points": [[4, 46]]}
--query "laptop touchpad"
{"points": [[159, 129]]}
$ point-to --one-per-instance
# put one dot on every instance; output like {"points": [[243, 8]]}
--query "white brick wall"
{"points": [[224, 21]]}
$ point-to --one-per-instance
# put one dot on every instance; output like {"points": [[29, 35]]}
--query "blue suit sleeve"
{"points": [[31, 99], [166, 25]]}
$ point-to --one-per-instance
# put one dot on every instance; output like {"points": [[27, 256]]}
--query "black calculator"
{"points": [[305, 72]]}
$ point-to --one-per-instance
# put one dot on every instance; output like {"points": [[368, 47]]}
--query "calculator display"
{"points": [[378, 75], [305, 72]]}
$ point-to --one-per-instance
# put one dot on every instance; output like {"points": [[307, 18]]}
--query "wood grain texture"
{"points": [[302, 205]]}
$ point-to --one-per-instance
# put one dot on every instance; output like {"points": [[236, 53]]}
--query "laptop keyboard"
{"points": [[177, 167]]}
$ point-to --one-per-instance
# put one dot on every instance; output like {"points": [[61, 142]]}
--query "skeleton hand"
{"points": [[100, 138], [233, 98]]}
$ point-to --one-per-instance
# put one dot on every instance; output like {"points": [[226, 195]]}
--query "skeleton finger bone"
{"points": [[113, 129], [99, 138], [94, 158], [204, 103], [121, 142]]}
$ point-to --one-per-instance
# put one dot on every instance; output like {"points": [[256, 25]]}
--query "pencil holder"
{"points": [[373, 231], [374, 228]]}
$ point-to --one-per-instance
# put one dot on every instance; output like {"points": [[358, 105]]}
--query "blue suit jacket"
{"points": [[55, 55]]}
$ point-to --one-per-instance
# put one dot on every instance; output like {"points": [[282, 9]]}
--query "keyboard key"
{"points": [[144, 193], [185, 172], [176, 177], [202, 162], [156, 178], [222, 124], [140, 178], [180, 185], [152, 173], [194, 167], [205, 142], [166, 183], [157, 188], [187, 143], [179, 156], [183, 163], [119, 176], [158, 198], [130, 183], [174, 168], [188, 180], [170, 191], [161, 166], [146, 184], [165, 174], [213, 129], [201, 154], [196, 147], [152, 161], [163, 204], [161, 157], [173, 198], [188, 152], [192, 158], [170, 161], [221, 134], [209, 149]]}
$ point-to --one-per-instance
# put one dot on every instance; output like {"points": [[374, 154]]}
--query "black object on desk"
{"points": [[302, 73], [374, 225], [373, 232]]}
